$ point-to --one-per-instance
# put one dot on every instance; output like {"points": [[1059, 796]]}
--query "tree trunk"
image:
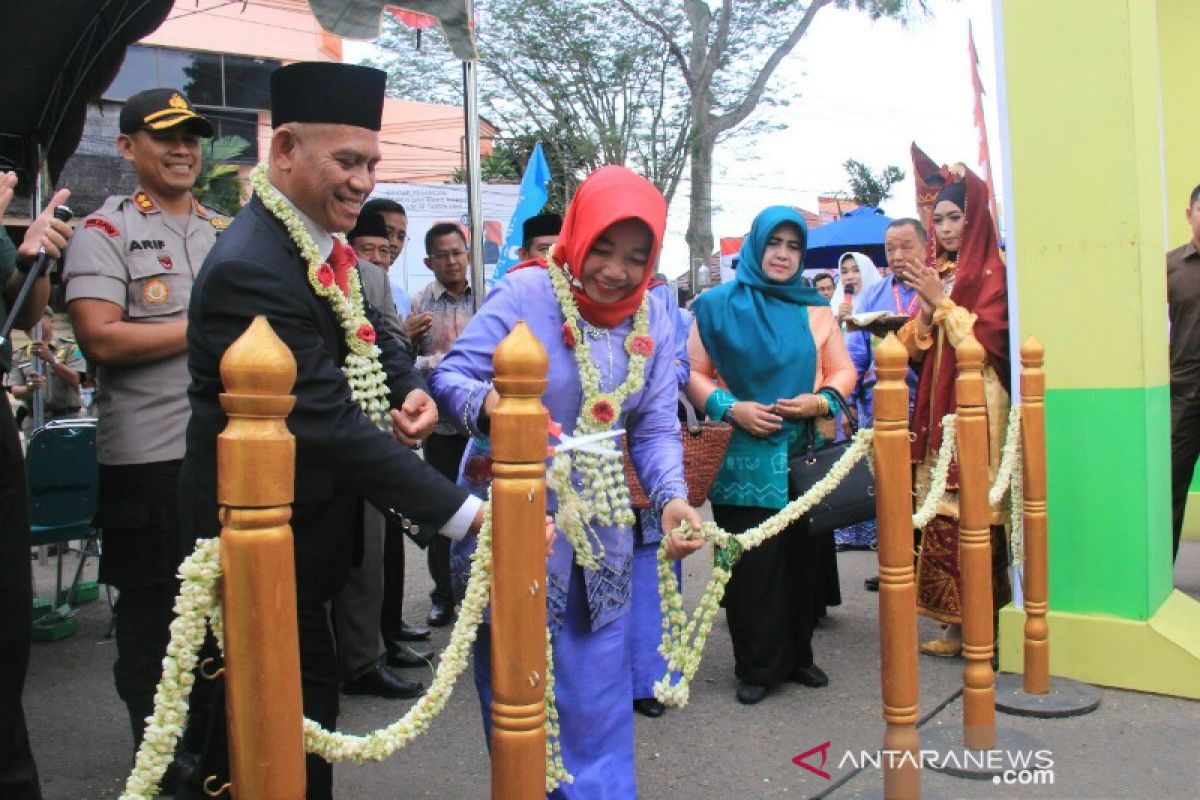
{"points": [[699, 232]]}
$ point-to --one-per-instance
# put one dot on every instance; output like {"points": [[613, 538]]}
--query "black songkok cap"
{"points": [[161, 110], [954, 192], [322, 91], [369, 224], [542, 225]]}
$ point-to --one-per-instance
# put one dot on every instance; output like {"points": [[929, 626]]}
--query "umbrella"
{"points": [[861, 229]]}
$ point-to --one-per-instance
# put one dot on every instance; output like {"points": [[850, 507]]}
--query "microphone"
{"points": [[40, 265]]}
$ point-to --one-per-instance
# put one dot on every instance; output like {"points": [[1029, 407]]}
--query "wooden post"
{"points": [[1033, 450], [975, 550], [256, 464], [897, 586], [518, 427]]}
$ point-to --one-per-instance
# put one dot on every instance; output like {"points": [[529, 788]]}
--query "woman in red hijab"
{"points": [[962, 294], [611, 365]]}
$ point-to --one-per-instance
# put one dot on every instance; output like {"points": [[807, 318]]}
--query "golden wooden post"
{"points": [[256, 464], [897, 586], [1033, 449], [518, 431], [975, 550]]}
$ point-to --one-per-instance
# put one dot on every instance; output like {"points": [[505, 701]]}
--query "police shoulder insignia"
{"points": [[144, 202], [104, 225], [219, 223]]}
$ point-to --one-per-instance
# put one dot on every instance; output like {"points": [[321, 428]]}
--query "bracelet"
{"points": [[822, 405]]}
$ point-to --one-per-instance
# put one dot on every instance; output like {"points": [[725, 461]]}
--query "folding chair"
{"points": [[60, 460]]}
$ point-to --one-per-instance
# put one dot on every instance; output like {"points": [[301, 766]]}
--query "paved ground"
{"points": [[1134, 746]]}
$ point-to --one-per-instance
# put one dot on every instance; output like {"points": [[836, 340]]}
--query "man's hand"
{"points": [[674, 514], [8, 184], [46, 231], [417, 325], [43, 351], [414, 421]]}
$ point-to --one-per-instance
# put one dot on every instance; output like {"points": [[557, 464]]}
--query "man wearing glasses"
{"points": [[440, 312]]}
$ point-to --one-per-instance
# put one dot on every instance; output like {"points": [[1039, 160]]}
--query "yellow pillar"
{"points": [[1084, 135]]}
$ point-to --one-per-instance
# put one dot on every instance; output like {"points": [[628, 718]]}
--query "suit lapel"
{"points": [[326, 319]]}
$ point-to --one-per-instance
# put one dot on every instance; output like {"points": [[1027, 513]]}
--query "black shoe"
{"points": [[750, 693], [177, 772], [812, 675], [440, 615], [402, 655], [412, 633], [380, 681], [871, 584], [649, 707]]}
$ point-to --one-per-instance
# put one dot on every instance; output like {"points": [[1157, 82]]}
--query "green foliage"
{"points": [[869, 188], [587, 81], [218, 185]]}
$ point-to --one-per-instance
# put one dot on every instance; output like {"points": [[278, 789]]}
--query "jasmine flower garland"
{"points": [[1009, 480], [368, 381], [927, 508], [683, 640]]}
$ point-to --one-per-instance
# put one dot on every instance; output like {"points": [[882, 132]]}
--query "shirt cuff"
{"points": [[458, 526], [473, 408]]}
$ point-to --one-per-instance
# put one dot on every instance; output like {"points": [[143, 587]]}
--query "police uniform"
{"points": [[59, 398], [132, 254]]}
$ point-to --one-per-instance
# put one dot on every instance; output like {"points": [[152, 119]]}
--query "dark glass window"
{"points": [[248, 81], [198, 75], [139, 71]]}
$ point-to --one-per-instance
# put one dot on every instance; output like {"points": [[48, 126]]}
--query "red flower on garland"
{"points": [[568, 334], [478, 469], [642, 345], [366, 333], [325, 275], [603, 411]]}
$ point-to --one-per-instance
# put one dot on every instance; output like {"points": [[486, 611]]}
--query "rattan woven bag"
{"points": [[704, 446]]}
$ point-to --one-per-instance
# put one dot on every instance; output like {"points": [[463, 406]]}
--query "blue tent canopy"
{"points": [[861, 229]]}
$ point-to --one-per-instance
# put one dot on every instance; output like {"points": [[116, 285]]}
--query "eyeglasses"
{"points": [[448, 255]]}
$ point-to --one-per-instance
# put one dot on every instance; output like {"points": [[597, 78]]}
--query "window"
{"points": [[208, 79], [243, 124], [248, 81]]}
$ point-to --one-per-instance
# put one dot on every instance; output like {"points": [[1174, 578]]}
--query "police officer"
{"points": [[62, 371], [129, 275]]}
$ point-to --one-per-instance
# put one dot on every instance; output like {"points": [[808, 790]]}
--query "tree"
{"points": [[594, 87], [868, 188], [726, 53]]}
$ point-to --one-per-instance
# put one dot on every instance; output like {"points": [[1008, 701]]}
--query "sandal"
{"points": [[942, 648]]}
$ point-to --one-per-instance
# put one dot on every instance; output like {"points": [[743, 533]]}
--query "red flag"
{"points": [[985, 157]]}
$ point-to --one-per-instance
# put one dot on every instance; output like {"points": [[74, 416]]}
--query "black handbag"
{"points": [[853, 501]]}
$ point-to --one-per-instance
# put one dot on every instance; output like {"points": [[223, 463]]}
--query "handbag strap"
{"points": [[845, 406], [693, 424]]}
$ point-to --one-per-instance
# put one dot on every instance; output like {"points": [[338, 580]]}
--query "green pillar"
{"points": [[1085, 145]]}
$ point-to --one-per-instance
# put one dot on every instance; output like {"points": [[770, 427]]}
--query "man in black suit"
{"points": [[324, 149]]}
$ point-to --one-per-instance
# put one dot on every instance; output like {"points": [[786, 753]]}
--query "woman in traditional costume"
{"points": [[611, 364], [962, 294], [763, 351]]}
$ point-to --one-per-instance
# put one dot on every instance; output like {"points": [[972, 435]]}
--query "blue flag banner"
{"points": [[529, 204]]}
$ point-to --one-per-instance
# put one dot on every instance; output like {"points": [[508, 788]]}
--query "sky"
{"points": [[856, 89]]}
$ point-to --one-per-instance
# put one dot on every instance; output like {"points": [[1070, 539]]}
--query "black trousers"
{"points": [[1185, 449], [391, 617], [770, 602], [319, 691], [444, 453], [138, 517], [18, 772]]}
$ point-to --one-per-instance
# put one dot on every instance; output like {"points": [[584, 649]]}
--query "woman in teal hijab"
{"points": [[762, 349]]}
